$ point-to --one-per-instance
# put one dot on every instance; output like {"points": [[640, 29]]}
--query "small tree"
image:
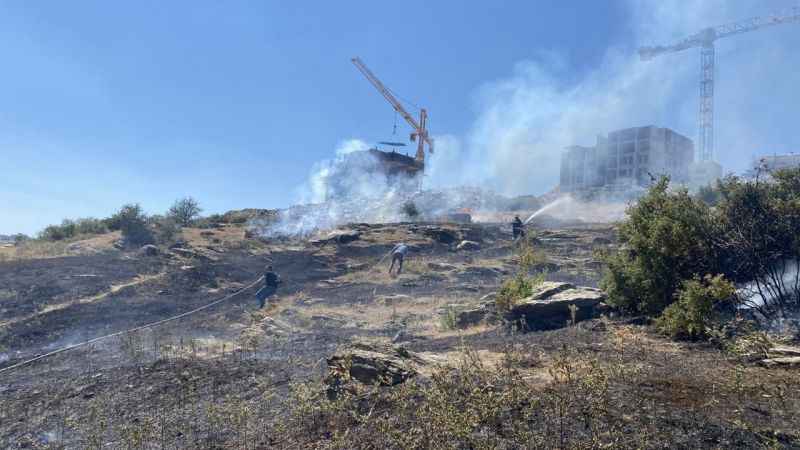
{"points": [[185, 211]]}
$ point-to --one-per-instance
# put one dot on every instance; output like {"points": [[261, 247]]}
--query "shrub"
{"points": [[72, 228], [166, 229], [691, 315], [89, 225], [762, 242], [515, 289], [58, 232], [184, 211], [668, 237], [131, 220]]}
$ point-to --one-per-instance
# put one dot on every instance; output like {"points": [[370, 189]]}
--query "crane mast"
{"points": [[420, 134], [705, 40]]}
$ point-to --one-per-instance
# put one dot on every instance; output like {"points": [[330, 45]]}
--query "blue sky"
{"points": [[104, 103]]}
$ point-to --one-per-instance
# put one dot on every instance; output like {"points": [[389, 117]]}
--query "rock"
{"points": [[786, 362], [439, 267], [468, 246], [784, 350], [371, 364], [339, 237], [601, 241], [549, 307], [464, 316], [440, 235], [490, 297], [550, 288], [149, 250]]}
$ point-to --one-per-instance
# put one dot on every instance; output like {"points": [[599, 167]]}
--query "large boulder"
{"points": [[373, 365], [551, 306]]}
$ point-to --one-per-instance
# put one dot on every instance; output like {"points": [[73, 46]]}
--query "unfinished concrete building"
{"points": [[625, 159]]}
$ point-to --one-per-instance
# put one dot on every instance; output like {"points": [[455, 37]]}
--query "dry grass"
{"points": [[37, 249]]}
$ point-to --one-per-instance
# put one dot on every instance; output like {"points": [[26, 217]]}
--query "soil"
{"points": [[333, 293]]}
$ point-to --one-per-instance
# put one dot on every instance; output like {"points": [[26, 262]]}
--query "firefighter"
{"points": [[271, 282], [399, 253], [517, 228]]}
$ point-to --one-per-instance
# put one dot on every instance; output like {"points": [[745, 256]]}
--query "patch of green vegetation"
{"points": [[691, 315], [515, 289], [749, 235]]}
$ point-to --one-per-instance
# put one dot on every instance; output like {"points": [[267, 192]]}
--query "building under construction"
{"points": [[626, 159]]}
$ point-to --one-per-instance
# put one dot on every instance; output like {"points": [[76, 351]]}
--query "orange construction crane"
{"points": [[420, 134]]}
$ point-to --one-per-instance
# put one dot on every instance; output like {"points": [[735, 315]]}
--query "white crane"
{"points": [[705, 40], [420, 133]]}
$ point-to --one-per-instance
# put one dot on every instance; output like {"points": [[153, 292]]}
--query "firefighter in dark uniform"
{"points": [[271, 282]]}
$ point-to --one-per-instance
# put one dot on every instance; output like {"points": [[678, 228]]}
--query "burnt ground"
{"points": [[333, 293]]}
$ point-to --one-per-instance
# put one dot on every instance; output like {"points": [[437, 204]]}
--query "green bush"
{"points": [[750, 235], [668, 237], [72, 228], [58, 232], [166, 229], [515, 289], [132, 221], [89, 225], [690, 316]]}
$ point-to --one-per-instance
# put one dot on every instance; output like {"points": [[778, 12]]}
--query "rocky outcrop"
{"points": [[338, 237], [468, 246], [552, 304], [373, 365]]}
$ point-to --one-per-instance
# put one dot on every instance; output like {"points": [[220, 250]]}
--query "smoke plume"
{"points": [[524, 120]]}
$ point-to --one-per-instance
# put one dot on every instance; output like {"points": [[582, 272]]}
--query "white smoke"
{"points": [[524, 120]]}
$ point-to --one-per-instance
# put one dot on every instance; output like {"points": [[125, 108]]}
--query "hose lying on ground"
{"points": [[139, 328]]}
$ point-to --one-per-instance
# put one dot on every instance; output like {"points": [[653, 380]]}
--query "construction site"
{"points": [[642, 300]]}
